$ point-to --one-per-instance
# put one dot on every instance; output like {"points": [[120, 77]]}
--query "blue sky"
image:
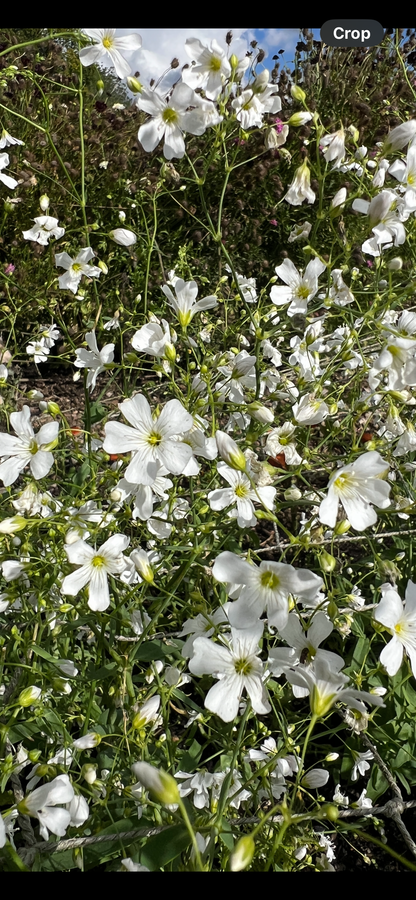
{"points": [[160, 45]]}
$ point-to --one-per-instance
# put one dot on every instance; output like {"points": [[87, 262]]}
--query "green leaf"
{"points": [[102, 673], [98, 411], [164, 847], [149, 651]]}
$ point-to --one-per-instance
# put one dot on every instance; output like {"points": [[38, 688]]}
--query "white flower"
{"points": [[357, 485], [185, 303], [42, 803], [132, 866], [203, 625], [267, 586], [400, 136], [199, 784], [151, 442], [300, 232], [87, 741], [300, 288], [211, 68], [309, 411], [154, 339], [327, 686], [258, 98], [280, 440], [335, 147], [240, 493], [44, 228], [361, 765], [6, 179], [79, 810], [339, 292], [94, 566], [170, 120], [237, 668], [282, 658], [26, 448], [94, 360], [300, 189], [76, 268], [49, 334], [38, 350], [240, 372], [6, 140], [105, 42], [123, 236], [400, 619]]}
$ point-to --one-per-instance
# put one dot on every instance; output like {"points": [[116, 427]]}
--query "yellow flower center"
{"points": [[303, 292], [215, 64], [170, 116], [107, 43], [344, 481], [76, 267], [98, 562], [243, 666], [154, 438], [241, 491], [269, 580]]}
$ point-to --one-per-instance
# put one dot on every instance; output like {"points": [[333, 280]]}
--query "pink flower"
{"points": [[278, 125], [9, 269], [273, 221]]}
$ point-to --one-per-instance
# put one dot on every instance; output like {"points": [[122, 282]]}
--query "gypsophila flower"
{"points": [[93, 568], [239, 668], [94, 360], [44, 228], [356, 486], [106, 43], [76, 268], [26, 448]]}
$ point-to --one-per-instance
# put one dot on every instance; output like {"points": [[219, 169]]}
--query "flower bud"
{"points": [[87, 741], [230, 452], [104, 268], [162, 785], [147, 713], [89, 773], [342, 527], [257, 411], [395, 264], [29, 696], [292, 494], [100, 85], [331, 812], [170, 352], [44, 202], [141, 562], [331, 757], [299, 118], [134, 85], [316, 778], [242, 854], [339, 198], [233, 61], [327, 562], [123, 237], [13, 524], [355, 134], [297, 93], [53, 408]]}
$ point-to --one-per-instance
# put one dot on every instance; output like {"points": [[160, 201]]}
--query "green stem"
{"points": [[192, 835]]}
